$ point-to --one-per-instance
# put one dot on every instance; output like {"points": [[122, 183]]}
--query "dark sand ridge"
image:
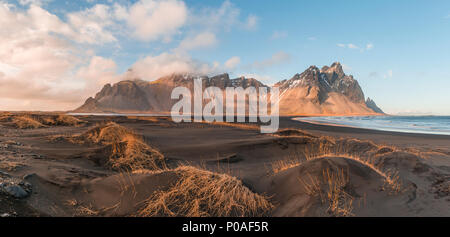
{"points": [[68, 182]]}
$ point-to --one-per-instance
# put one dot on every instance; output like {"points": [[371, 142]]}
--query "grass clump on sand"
{"points": [[68, 120], [127, 150], [59, 120], [132, 154], [201, 193], [30, 120], [331, 189], [107, 133], [26, 122]]}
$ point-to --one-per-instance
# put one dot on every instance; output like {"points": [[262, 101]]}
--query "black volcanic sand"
{"points": [[67, 181]]}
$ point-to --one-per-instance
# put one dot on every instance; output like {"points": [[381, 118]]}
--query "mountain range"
{"points": [[325, 91]]}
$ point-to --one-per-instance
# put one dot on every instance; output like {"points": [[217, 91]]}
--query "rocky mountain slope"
{"points": [[371, 104], [315, 91], [322, 91]]}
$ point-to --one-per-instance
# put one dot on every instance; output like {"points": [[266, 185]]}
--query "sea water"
{"points": [[410, 124]]}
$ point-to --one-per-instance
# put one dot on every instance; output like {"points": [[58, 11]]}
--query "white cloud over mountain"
{"points": [[49, 61]]}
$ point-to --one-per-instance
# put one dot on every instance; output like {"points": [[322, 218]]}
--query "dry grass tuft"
{"points": [[145, 118], [392, 182], [312, 186], [128, 150], [201, 193], [26, 122], [86, 211], [340, 202], [107, 133], [30, 120], [68, 120], [282, 165], [11, 165], [244, 126], [364, 152], [293, 132], [331, 190], [134, 154]]}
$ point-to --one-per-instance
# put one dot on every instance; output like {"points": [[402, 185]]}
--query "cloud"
{"points": [[49, 62], [312, 38], [352, 46], [33, 2], [278, 35], [153, 67], [263, 78], [346, 68], [373, 74], [226, 17], [202, 40], [388, 74], [93, 23], [277, 58], [41, 68], [349, 46], [99, 72], [153, 20], [232, 62], [368, 46], [252, 22]]}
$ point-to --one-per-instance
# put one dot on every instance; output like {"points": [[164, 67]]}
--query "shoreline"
{"points": [[355, 126], [401, 139], [352, 129], [325, 126]]}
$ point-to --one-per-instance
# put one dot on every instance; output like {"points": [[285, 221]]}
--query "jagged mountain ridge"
{"points": [[322, 91], [315, 91], [142, 96], [371, 104]]}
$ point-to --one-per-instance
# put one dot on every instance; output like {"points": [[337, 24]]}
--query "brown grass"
{"points": [[244, 126], [30, 120], [11, 165], [201, 193], [282, 165], [68, 120], [145, 118], [106, 133], [392, 179], [289, 132], [330, 188], [364, 152], [340, 202], [26, 122], [133, 154], [86, 211], [128, 150]]}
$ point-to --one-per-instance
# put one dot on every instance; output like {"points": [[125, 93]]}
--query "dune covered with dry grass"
{"points": [[334, 186], [182, 191], [201, 193], [125, 150]]}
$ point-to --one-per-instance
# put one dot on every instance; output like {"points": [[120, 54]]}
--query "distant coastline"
{"points": [[430, 124]]}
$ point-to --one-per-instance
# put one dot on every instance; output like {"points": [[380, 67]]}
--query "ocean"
{"points": [[409, 124]]}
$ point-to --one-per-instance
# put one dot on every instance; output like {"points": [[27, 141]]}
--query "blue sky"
{"points": [[397, 50]]}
